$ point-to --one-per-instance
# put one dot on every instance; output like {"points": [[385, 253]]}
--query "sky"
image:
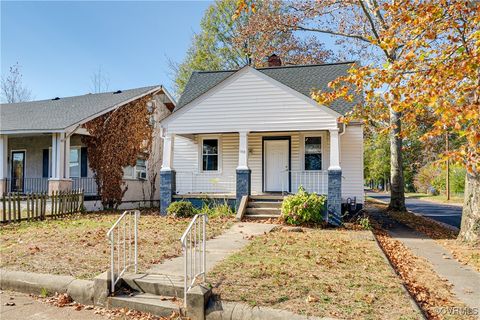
{"points": [[61, 44]]}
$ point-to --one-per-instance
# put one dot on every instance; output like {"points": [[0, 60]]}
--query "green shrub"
{"points": [[303, 207], [181, 209], [215, 210], [433, 177]]}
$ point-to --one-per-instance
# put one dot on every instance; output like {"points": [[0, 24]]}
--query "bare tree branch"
{"points": [[12, 88]]}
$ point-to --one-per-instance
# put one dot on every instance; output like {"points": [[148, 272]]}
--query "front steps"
{"points": [[159, 295], [264, 207]]}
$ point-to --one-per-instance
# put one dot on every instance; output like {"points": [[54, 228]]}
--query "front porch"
{"points": [[43, 163], [229, 166]]}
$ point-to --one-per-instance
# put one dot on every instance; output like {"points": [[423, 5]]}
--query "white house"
{"points": [[254, 132]]}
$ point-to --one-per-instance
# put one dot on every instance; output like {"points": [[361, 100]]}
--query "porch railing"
{"points": [[194, 246], [122, 235], [88, 185], [27, 185], [311, 181], [37, 185], [194, 182]]}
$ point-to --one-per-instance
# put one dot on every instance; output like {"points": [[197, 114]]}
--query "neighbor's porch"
{"points": [[233, 165], [37, 163]]}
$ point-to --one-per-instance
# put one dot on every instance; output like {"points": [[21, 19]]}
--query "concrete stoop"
{"points": [[158, 294]]}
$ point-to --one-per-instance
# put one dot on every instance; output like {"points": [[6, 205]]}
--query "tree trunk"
{"points": [[397, 192], [470, 228]]}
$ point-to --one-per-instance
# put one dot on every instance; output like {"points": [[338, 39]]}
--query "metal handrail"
{"points": [[312, 181], [194, 252], [127, 221]]}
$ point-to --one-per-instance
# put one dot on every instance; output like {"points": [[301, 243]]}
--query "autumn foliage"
{"points": [[116, 140]]}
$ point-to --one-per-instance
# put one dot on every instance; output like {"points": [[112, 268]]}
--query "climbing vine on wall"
{"points": [[116, 139]]}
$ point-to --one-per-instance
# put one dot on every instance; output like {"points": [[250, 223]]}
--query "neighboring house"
{"points": [[41, 148], [258, 131]]}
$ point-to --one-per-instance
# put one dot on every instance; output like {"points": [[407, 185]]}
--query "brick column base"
{"points": [[243, 187], [167, 189], [334, 197], [59, 185]]}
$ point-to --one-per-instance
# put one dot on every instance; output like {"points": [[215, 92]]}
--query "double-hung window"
{"points": [[313, 153], [74, 162], [210, 154]]}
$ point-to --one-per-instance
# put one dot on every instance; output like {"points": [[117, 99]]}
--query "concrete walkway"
{"points": [[218, 248], [464, 279]]}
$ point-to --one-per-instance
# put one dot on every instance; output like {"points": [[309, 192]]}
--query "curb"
{"points": [[413, 302], [39, 283], [221, 310]]}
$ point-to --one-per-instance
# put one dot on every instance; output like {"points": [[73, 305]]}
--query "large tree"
{"points": [[222, 44], [12, 88], [437, 74]]}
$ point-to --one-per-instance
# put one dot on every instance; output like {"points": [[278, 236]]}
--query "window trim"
{"points": [[200, 153], [323, 140]]}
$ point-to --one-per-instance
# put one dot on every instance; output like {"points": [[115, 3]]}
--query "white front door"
{"points": [[275, 165]]}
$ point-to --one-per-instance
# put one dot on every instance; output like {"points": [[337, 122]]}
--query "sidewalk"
{"points": [[464, 279], [218, 248]]}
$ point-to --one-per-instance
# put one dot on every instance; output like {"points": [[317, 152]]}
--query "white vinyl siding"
{"points": [[250, 102], [187, 165], [351, 162]]}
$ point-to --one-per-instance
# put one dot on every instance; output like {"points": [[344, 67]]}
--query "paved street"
{"points": [[449, 214]]}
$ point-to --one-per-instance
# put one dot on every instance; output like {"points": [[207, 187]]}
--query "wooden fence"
{"points": [[37, 206]]}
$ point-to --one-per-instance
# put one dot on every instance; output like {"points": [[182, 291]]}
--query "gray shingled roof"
{"points": [[304, 79], [59, 114]]}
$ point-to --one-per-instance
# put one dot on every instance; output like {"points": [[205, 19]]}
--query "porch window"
{"points": [[74, 162], [210, 155], [313, 153]]}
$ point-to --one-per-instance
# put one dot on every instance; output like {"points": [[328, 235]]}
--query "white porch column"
{"points": [[58, 155], [243, 180], [243, 151], [167, 174], [66, 161], [334, 197], [334, 150], [3, 163], [167, 158], [60, 163]]}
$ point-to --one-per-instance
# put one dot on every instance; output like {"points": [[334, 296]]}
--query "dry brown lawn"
{"points": [[327, 273], [78, 246]]}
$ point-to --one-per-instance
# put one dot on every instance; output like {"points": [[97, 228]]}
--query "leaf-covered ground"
{"points": [[327, 273], [78, 246], [430, 291], [466, 253]]}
